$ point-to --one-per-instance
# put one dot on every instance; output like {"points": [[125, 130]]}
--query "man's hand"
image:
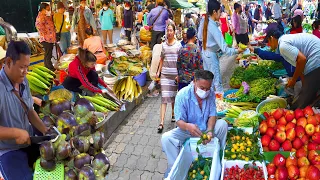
{"points": [[250, 48], [209, 137], [21, 136], [240, 50], [194, 130]]}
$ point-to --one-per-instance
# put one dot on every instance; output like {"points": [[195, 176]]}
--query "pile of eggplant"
{"points": [[79, 147]]}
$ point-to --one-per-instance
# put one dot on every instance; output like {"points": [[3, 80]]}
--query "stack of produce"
{"points": [[247, 119], [146, 55], [290, 130], [127, 66], [40, 80], [268, 107], [127, 89], [79, 142], [34, 45], [259, 90], [102, 104], [272, 65], [145, 35], [233, 112], [242, 146], [200, 168], [249, 74], [245, 173], [298, 166]]}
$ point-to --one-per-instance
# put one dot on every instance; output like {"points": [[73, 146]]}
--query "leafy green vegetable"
{"points": [[268, 107], [249, 74], [270, 64]]}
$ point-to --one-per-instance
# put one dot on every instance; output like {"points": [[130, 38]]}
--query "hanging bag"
{"points": [[58, 35], [151, 27]]}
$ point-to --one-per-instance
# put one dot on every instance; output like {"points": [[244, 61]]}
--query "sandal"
{"points": [[160, 128], [173, 119]]}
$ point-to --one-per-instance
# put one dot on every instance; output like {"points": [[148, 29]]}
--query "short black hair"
{"points": [[188, 15], [236, 5], [106, 2], [316, 24], [277, 1], [43, 6], [203, 74], [191, 32], [89, 31], [16, 48], [297, 20]]}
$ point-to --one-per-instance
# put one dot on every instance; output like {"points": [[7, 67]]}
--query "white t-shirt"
{"points": [[307, 44]]}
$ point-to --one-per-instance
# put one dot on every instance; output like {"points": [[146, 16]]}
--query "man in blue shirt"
{"points": [[17, 116], [195, 113]]}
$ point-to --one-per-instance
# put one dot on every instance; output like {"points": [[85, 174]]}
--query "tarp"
{"points": [[175, 4]]}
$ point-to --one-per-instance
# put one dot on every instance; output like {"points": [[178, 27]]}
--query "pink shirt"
{"points": [[94, 44], [236, 22]]}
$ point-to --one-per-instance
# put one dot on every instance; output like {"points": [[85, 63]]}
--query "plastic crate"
{"points": [[41, 174], [188, 154]]}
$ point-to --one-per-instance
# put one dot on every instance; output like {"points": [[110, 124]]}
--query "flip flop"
{"points": [[160, 128], [173, 119]]}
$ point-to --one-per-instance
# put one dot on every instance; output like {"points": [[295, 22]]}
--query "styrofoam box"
{"points": [[187, 155], [240, 163]]}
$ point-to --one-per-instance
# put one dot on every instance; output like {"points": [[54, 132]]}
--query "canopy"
{"points": [[175, 4]]}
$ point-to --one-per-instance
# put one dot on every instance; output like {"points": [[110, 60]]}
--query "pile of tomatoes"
{"points": [[248, 172]]}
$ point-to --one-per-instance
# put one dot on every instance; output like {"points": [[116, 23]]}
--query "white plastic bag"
{"points": [[122, 33]]}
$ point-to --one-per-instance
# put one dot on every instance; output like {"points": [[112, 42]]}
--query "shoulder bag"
{"points": [[151, 27], [58, 35]]}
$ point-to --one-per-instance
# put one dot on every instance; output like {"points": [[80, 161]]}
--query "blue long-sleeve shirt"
{"points": [[276, 57]]}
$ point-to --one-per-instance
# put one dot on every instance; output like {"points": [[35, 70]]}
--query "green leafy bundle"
{"points": [[249, 74]]}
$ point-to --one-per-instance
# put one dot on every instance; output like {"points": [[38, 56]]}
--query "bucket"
{"points": [[141, 78]]}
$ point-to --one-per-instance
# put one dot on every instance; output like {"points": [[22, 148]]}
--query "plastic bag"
{"points": [[122, 33], [228, 39]]}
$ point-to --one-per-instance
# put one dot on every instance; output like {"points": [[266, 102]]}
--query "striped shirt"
{"points": [[169, 55], [309, 45]]}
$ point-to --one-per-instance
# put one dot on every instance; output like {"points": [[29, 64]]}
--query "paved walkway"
{"points": [[134, 149]]}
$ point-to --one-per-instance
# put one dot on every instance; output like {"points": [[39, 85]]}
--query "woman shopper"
{"points": [[107, 20], [47, 32], [168, 70], [296, 24], [62, 25], [189, 60], [157, 19], [81, 19], [214, 44], [95, 45], [128, 20], [82, 73]]}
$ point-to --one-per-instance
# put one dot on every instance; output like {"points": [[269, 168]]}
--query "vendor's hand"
{"points": [[209, 138], [251, 48], [21, 136], [291, 83], [158, 74], [194, 130], [240, 50]]}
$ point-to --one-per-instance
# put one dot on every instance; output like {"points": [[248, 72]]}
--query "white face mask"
{"points": [[202, 94], [48, 13], [105, 8]]}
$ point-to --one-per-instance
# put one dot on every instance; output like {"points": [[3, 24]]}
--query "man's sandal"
{"points": [[173, 119], [160, 128]]}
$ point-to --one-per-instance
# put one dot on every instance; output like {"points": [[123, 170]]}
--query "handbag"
{"points": [[58, 35], [151, 27]]}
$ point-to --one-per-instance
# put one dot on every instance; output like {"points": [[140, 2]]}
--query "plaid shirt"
{"points": [[46, 29]]}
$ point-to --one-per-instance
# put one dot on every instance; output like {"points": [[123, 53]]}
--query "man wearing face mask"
{"points": [[195, 112], [47, 32], [81, 19]]}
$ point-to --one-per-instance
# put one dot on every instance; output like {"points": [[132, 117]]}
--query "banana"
{"points": [[40, 78], [44, 69], [43, 74], [123, 84], [37, 89], [37, 82], [128, 85]]}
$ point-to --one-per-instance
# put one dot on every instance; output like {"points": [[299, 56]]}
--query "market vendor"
{"points": [[17, 117], [195, 112], [95, 45], [81, 72], [302, 51]]}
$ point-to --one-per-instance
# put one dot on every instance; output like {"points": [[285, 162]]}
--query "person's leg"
{"points": [[14, 165], [93, 78], [72, 84], [220, 131], [309, 90], [63, 43], [153, 39], [48, 47], [68, 35], [104, 35], [159, 36], [173, 118], [128, 35], [172, 142], [163, 109], [110, 34]]}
